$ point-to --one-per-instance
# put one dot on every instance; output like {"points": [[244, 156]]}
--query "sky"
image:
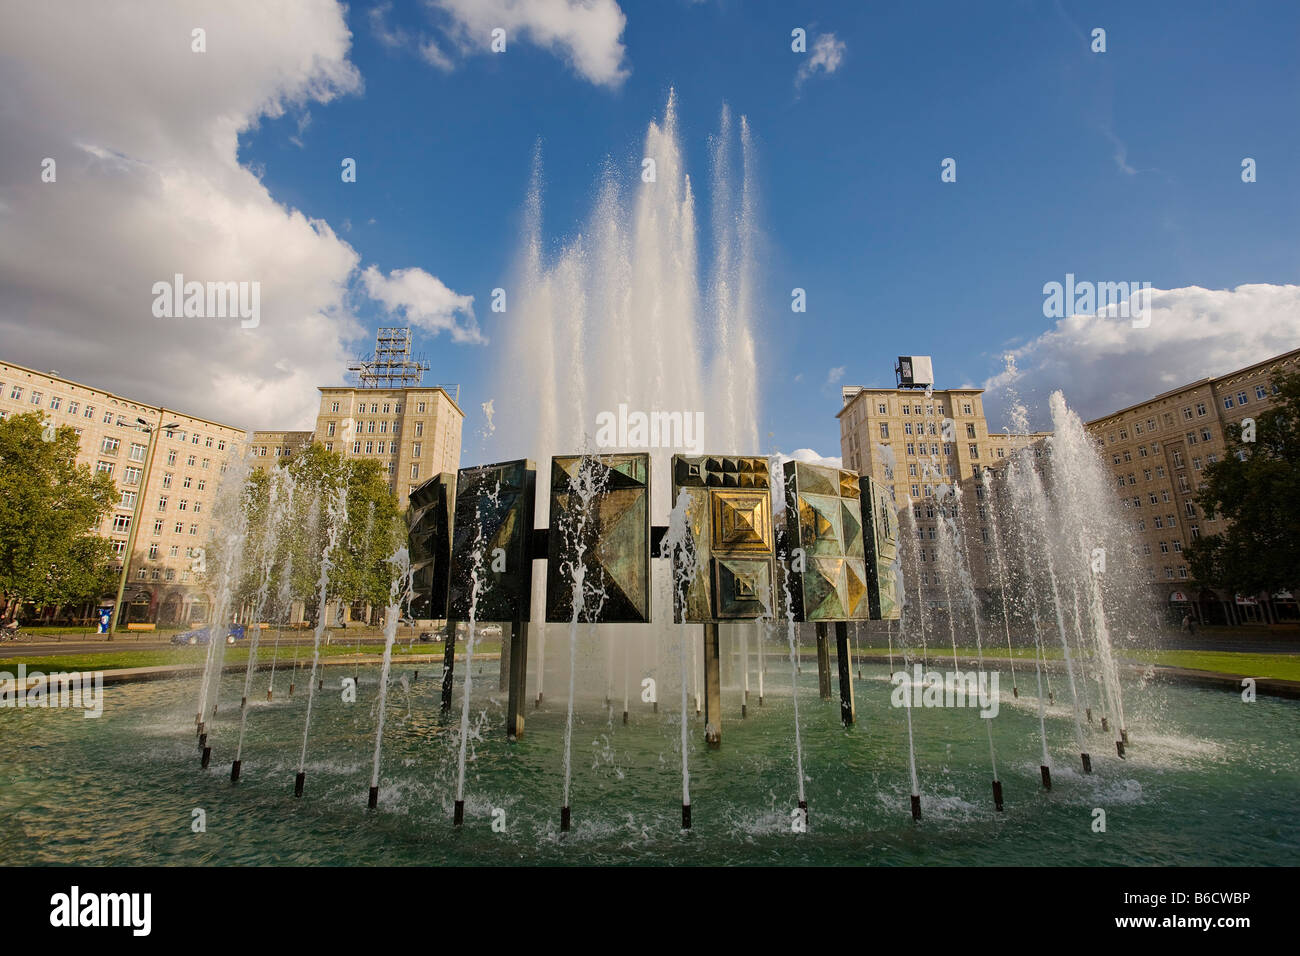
{"points": [[1115, 165]]}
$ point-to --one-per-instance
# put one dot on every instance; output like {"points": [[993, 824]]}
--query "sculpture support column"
{"points": [[847, 712], [518, 679], [823, 661], [448, 665], [712, 688], [507, 648]]}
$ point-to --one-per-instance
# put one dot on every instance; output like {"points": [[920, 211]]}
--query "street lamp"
{"points": [[145, 427]]}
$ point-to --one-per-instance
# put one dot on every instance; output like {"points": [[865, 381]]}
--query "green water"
{"points": [[1209, 779]]}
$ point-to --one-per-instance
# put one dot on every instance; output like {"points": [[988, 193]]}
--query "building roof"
{"points": [[161, 409], [1198, 383]]}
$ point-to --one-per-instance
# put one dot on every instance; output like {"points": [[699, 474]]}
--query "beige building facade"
{"points": [[1157, 451], [414, 433], [912, 443], [173, 503]]}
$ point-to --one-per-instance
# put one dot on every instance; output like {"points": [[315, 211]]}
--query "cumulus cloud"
{"points": [[145, 136], [586, 34], [424, 301], [827, 55], [1103, 364]]}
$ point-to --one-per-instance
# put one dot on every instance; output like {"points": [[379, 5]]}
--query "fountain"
{"points": [[646, 552]]}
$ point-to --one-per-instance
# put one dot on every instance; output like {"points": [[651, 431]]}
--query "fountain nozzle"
{"points": [[298, 783], [686, 816], [1119, 748], [1105, 724], [458, 814], [564, 819], [1015, 692], [1047, 777], [235, 768], [997, 795], [374, 797], [1123, 735], [1087, 763], [916, 806], [207, 757]]}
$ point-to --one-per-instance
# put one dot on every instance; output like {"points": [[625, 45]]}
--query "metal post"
{"points": [[847, 712], [448, 665], [823, 661], [518, 679], [712, 688]]}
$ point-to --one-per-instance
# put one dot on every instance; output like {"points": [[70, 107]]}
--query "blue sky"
{"points": [[1122, 165]]}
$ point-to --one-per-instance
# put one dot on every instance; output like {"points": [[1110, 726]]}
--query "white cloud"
{"points": [[145, 134], [834, 375], [584, 33], [827, 55], [425, 301], [1103, 364]]}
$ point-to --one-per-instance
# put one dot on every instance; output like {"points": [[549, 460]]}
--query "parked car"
{"points": [[202, 635]]}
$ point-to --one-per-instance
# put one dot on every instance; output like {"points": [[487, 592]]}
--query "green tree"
{"points": [[295, 535], [50, 512], [1257, 489]]}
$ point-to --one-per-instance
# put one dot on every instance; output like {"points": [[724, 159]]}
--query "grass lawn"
{"points": [[195, 656]]}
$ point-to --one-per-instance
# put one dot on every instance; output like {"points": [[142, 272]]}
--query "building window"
{"points": [[1206, 435], [110, 446], [1157, 521], [206, 462], [137, 452], [1200, 408], [965, 408], [356, 447], [1164, 547], [167, 479], [1260, 392], [1227, 401], [419, 429], [329, 430], [381, 447], [171, 457], [157, 526], [16, 393], [162, 502], [974, 451], [221, 445], [195, 439], [121, 523], [202, 484], [182, 504], [127, 500], [1187, 414], [194, 530], [370, 447], [329, 446], [190, 460], [420, 407], [970, 430]]}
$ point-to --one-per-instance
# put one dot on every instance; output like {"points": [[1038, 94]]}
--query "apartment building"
{"points": [[413, 432], [173, 502], [1158, 451], [912, 441], [268, 448]]}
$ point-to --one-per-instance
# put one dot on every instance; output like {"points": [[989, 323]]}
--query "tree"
{"points": [[50, 512], [293, 536], [1257, 489]]}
